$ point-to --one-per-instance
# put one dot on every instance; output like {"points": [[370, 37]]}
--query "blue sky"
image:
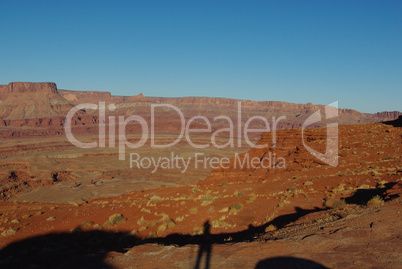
{"points": [[294, 51]]}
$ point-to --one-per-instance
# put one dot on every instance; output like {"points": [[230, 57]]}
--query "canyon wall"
{"points": [[42, 105]]}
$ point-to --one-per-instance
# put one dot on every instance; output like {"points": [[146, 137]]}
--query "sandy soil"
{"points": [[306, 214]]}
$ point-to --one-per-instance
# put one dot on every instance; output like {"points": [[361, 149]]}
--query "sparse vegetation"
{"points": [[327, 201], [87, 224], [152, 234], [225, 209], [162, 228], [114, 220], [270, 228], [197, 230], [180, 218], [206, 200], [166, 225], [219, 223], [340, 188], [153, 223], [250, 199], [154, 199], [381, 184], [141, 220], [235, 208], [194, 210], [145, 210], [341, 204], [238, 194], [10, 231], [375, 201]]}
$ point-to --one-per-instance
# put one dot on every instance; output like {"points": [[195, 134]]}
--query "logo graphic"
{"points": [[186, 130], [107, 136], [331, 153]]}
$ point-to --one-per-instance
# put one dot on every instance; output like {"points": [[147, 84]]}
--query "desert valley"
{"points": [[63, 206]]}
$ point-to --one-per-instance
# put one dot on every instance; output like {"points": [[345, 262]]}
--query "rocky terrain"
{"points": [[64, 206], [35, 154], [51, 169], [306, 214]]}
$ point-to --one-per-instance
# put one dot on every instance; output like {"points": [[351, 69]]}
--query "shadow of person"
{"points": [[288, 263], [205, 246], [89, 249]]}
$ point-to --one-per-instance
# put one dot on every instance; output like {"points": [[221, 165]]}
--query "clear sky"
{"points": [[295, 51]]}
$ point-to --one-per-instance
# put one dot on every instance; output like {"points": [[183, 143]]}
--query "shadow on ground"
{"points": [[288, 263], [362, 196], [89, 249], [65, 250], [395, 123]]}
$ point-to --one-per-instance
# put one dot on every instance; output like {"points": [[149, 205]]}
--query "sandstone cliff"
{"points": [[43, 105], [35, 105], [24, 100]]}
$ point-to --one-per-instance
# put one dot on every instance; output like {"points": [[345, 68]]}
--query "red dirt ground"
{"points": [[293, 214]]}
